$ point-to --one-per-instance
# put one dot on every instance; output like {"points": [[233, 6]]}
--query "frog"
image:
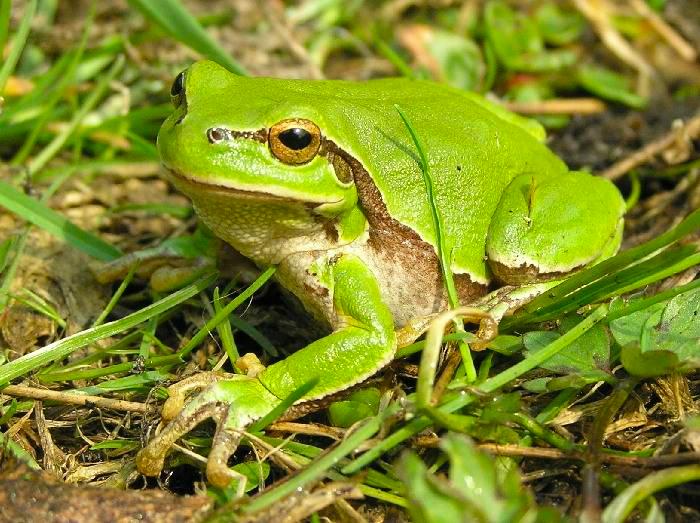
{"points": [[321, 179]]}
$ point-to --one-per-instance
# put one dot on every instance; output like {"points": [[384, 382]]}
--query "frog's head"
{"points": [[232, 141], [257, 136]]}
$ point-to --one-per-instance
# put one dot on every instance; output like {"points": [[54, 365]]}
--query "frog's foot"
{"points": [[180, 391], [232, 401]]}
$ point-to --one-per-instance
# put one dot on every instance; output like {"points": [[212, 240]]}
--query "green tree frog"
{"points": [[322, 180]]}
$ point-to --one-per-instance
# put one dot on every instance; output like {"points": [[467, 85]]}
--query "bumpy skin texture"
{"points": [[348, 223]]}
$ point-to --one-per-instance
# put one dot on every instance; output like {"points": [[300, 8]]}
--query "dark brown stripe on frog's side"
{"points": [[393, 239]]}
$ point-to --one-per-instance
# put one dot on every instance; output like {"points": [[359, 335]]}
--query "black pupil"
{"points": [[178, 85], [295, 138]]}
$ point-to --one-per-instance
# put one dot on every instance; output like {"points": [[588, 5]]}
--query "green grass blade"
{"points": [[23, 153], [282, 407], [623, 505], [35, 212], [5, 249], [172, 17], [62, 348], [687, 226], [443, 255], [5, 6], [321, 465], [225, 312], [90, 102], [18, 42]]}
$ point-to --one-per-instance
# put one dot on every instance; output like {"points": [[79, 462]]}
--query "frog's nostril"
{"points": [[217, 134]]}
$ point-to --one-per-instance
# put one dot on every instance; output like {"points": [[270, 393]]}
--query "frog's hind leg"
{"points": [[545, 228]]}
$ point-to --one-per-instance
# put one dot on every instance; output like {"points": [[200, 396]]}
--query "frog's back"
{"points": [[473, 150]]}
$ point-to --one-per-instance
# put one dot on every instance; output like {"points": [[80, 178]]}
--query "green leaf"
{"points": [[360, 404], [478, 488], [667, 331], [679, 329], [609, 85], [558, 26], [647, 364], [429, 500], [459, 59], [517, 42], [628, 329], [174, 19], [589, 352]]}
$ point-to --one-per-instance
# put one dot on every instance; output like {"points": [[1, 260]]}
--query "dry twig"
{"points": [[682, 133], [71, 398]]}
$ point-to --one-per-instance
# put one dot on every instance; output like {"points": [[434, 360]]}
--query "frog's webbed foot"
{"points": [[232, 401]]}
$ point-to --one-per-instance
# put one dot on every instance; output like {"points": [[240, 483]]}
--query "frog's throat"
{"points": [[263, 227], [189, 185]]}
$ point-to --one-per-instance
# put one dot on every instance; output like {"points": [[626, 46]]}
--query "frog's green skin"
{"points": [[351, 231]]}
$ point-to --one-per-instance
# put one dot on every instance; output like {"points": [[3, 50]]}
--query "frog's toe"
{"points": [[151, 459], [223, 446], [179, 392]]}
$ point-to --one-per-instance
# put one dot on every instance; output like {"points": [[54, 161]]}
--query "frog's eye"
{"points": [[177, 91], [294, 141]]}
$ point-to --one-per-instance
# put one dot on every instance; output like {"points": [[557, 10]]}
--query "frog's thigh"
{"points": [[543, 229], [363, 342]]}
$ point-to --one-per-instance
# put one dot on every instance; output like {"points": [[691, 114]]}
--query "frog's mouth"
{"points": [[192, 187]]}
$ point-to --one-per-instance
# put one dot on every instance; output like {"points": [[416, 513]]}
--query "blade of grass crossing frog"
{"points": [[443, 255], [172, 17], [18, 42], [456, 401], [62, 348], [37, 213]]}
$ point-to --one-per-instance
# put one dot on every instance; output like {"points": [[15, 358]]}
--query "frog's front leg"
{"points": [[362, 342]]}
